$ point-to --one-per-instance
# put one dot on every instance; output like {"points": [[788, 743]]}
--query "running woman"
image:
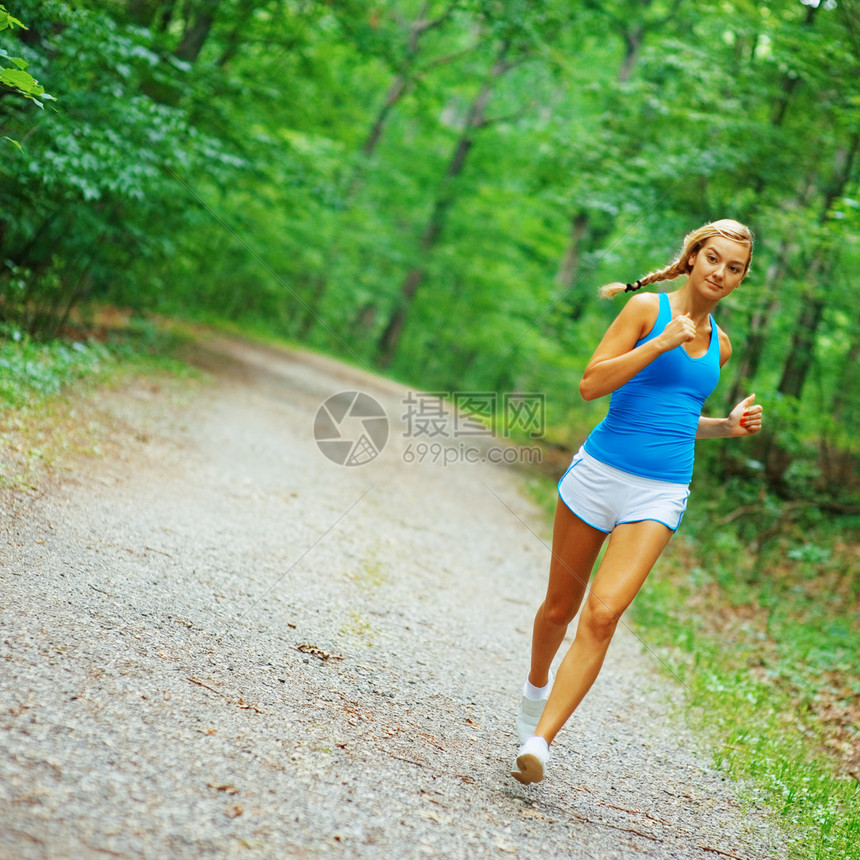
{"points": [[659, 359]]}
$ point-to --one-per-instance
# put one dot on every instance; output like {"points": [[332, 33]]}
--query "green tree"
{"points": [[14, 78]]}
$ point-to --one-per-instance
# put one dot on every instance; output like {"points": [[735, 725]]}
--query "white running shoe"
{"points": [[532, 759], [530, 713]]}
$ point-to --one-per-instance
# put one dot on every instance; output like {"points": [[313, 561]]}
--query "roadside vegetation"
{"points": [[51, 392], [758, 619]]}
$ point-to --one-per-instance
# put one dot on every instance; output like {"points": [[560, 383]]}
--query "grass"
{"points": [[764, 635], [32, 371], [49, 391], [757, 615]]}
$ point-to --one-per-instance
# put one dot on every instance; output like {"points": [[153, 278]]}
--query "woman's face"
{"points": [[719, 266]]}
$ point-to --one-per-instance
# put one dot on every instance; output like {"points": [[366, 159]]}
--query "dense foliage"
{"points": [[14, 78], [438, 186]]}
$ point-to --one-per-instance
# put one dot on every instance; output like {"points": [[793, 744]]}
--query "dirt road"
{"points": [[217, 642]]}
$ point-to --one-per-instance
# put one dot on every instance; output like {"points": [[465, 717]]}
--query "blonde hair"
{"points": [[693, 243]]}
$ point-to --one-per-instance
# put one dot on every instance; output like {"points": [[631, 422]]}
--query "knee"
{"points": [[558, 613], [599, 619]]}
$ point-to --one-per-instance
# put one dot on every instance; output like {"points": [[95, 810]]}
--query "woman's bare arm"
{"points": [[617, 359]]}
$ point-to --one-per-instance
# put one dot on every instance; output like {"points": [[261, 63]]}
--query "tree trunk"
{"points": [[76, 295], [395, 93], [319, 282], [364, 321], [475, 119], [753, 348], [802, 350], [788, 87], [197, 29], [24, 257], [633, 39], [390, 339], [166, 15], [569, 268], [400, 83], [801, 354], [398, 88]]}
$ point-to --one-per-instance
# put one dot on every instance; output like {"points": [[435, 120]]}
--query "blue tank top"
{"points": [[650, 429]]}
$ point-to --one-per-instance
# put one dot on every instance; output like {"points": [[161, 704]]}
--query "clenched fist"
{"points": [[745, 419], [680, 330]]}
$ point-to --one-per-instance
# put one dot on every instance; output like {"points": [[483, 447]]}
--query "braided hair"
{"points": [[693, 243]]}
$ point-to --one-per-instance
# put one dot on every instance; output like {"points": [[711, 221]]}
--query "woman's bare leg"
{"points": [[575, 546], [632, 552]]}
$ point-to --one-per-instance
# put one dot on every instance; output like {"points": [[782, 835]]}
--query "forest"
{"points": [[438, 188], [435, 189]]}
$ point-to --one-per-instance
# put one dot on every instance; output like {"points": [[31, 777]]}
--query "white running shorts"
{"points": [[604, 497]]}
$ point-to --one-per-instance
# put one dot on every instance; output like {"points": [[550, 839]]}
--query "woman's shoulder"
{"points": [[725, 345], [645, 307], [643, 303]]}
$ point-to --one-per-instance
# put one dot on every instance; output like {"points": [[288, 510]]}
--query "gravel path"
{"points": [[217, 643]]}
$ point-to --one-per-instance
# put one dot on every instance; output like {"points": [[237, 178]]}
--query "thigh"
{"points": [[632, 551], [575, 546]]}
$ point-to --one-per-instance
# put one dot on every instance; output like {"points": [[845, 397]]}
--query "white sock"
{"points": [[535, 741], [532, 692]]}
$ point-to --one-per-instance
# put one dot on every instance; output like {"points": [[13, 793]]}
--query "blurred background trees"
{"points": [[437, 187]]}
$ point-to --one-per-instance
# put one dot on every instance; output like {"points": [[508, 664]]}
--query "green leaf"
{"points": [[25, 84], [13, 142], [21, 64], [7, 21], [19, 80]]}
